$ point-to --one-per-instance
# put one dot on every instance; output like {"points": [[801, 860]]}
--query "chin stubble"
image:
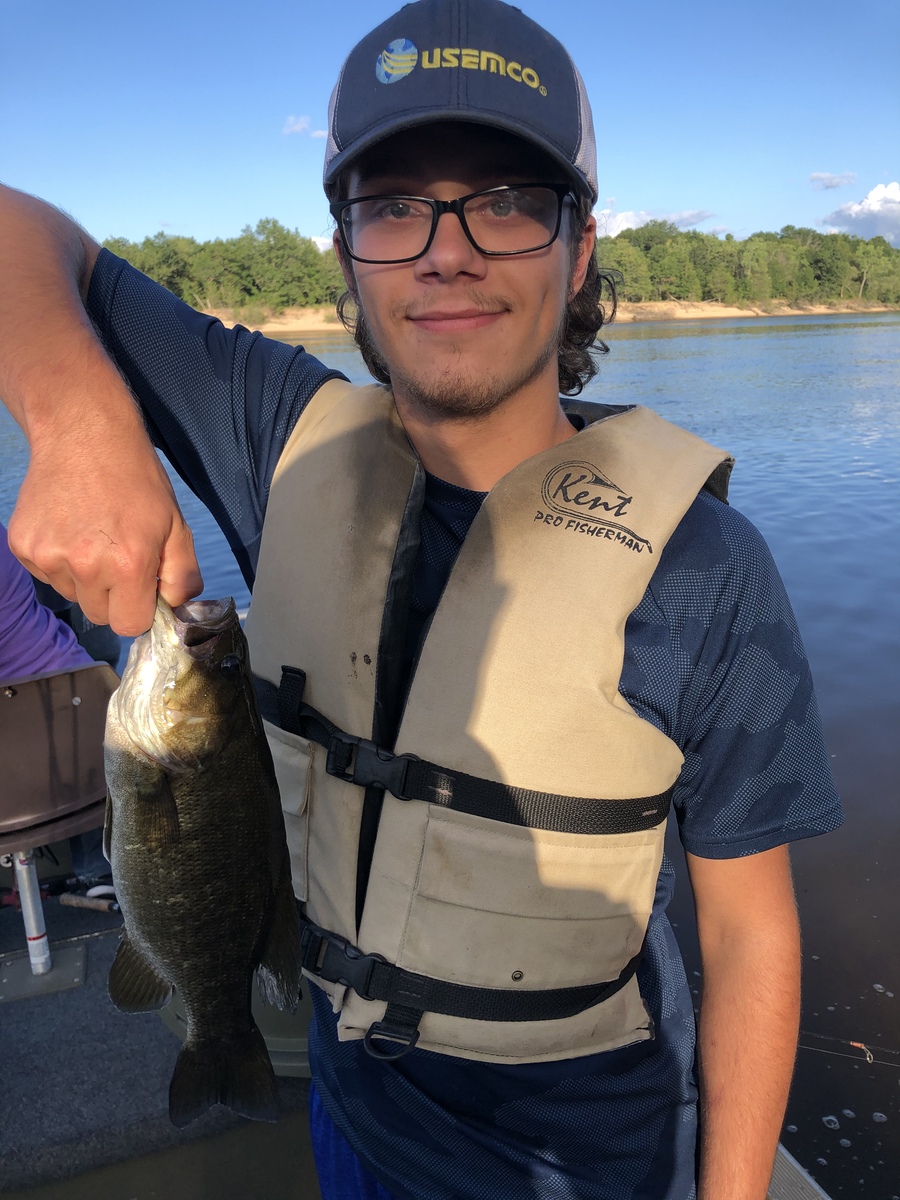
{"points": [[453, 395], [456, 395]]}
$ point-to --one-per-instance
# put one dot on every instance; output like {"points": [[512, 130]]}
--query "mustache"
{"points": [[467, 297]]}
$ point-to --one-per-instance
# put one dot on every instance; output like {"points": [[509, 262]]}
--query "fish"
{"points": [[195, 837]]}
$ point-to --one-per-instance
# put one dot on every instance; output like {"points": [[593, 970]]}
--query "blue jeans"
{"points": [[341, 1175]]}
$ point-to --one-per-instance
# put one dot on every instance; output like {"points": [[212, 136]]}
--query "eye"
{"points": [[501, 206], [230, 666], [393, 210]]}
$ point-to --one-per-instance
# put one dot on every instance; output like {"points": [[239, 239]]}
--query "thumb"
{"points": [[179, 571]]}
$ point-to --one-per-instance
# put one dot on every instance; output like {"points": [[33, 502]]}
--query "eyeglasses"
{"points": [[497, 221]]}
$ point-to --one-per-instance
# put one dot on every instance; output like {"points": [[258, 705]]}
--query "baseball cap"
{"points": [[482, 61]]}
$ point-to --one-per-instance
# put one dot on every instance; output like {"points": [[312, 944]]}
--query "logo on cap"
{"points": [[396, 61]]}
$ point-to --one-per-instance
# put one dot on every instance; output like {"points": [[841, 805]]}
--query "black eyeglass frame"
{"points": [[439, 207]]}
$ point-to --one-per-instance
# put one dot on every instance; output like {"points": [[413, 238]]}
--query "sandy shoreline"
{"points": [[324, 320]]}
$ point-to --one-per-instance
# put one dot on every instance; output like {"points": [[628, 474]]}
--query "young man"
{"points": [[495, 635]]}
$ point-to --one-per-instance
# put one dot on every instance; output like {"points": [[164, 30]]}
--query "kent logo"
{"points": [[577, 496], [401, 56]]}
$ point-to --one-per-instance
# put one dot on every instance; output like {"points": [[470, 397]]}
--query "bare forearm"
{"points": [[46, 340], [748, 1038], [96, 515]]}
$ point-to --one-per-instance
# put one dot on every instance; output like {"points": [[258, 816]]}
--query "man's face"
{"points": [[461, 332]]}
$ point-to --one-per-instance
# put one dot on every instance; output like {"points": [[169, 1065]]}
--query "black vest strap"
{"points": [[409, 996], [358, 760]]}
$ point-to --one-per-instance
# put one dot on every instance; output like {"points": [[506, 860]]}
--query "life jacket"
{"points": [[481, 884]]}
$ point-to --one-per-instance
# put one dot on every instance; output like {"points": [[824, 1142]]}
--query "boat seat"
{"points": [[52, 786]]}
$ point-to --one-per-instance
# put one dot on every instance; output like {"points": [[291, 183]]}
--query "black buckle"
{"points": [[357, 760], [336, 960], [404, 1037]]}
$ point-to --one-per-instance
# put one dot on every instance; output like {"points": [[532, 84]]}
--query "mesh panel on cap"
{"points": [[586, 154], [331, 146]]}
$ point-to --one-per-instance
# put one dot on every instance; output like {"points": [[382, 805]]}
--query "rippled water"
{"points": [[810, 408]]}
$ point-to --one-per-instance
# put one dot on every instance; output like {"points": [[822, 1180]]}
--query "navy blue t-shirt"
{"points": [[712, 658]]}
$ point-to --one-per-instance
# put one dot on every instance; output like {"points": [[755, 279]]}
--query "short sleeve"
{"points": [[719, 664], [219, 403], [33, 641]]}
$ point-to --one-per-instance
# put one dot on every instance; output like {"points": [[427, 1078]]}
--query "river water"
{"points": [[810, 408]]}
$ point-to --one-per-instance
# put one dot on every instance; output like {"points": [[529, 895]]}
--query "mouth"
{"points": [[455, 321], [199, 624]]}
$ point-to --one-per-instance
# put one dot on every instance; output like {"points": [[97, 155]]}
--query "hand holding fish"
{"points": [[102, 525], [96, 515]]}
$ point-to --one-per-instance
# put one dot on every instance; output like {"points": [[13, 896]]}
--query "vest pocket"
{"points": [[496, 905], [293, 759]]}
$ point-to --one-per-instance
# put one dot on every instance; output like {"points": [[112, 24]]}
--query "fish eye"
{"points": [[230, 666]]}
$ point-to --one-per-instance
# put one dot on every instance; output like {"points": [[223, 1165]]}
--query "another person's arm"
{"points": [[32, 639], [96, 515], [749, 1018]]}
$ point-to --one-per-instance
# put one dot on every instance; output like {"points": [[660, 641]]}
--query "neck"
{"points": [[476, 452]]}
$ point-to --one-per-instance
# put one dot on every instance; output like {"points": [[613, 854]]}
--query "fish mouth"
{"points": [[198, 624], [188, 631]]}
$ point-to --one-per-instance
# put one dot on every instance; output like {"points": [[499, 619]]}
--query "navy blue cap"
{"points": [[463, 60]]}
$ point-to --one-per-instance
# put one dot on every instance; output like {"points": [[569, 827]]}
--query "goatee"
{"points": [[455, 395]]}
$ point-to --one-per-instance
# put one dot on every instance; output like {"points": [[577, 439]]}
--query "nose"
{"points": [[451, 253]]}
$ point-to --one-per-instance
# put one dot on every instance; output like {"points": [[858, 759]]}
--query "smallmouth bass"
{"points": [[195, 835]]}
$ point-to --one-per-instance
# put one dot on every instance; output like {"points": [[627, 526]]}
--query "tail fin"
{"points": [[237, 1073]]}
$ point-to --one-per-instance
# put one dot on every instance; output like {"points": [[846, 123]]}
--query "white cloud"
{"points": [[324, 243], [302, 125], [690, 217], [296, 125], [823, 181], [610, 223], [878, 213]]}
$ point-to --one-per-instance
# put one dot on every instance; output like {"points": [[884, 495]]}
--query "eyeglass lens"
{"points": [[504, 220]]}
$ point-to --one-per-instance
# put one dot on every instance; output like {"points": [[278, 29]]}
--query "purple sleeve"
{"points": [[33, 641]]}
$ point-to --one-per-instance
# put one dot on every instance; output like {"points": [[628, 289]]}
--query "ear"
{"points": [[585, 250], [345, 262]]}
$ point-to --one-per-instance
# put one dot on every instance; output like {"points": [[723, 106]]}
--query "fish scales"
{"points": [[195, 836]]}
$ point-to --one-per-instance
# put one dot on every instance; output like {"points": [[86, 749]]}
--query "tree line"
{"points": [[272, 267], [658, 261], [266, 267]]}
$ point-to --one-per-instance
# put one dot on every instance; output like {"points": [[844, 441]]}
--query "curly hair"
{"points": [[580, 348]]}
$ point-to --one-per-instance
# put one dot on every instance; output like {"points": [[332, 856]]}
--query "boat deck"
{"points": [[84, 1103], [85, 1095]]}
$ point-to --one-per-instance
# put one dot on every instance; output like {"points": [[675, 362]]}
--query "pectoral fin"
{"points": [[278, 975], [134, 985], [157, 813]]}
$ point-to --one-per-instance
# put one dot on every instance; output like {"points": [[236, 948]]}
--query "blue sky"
{"points": [[727, 117]]}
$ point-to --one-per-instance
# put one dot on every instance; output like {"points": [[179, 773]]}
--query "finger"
{"points": [[179, 571], [131, 605], [59, 579]]}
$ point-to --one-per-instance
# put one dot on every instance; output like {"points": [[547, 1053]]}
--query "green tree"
{"points": [[754, 282], [673, 274], [654, 233], [720, 285], [620, 254], [271, 266]]}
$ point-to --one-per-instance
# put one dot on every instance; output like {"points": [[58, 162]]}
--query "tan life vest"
{"points": [[482, 886]]}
